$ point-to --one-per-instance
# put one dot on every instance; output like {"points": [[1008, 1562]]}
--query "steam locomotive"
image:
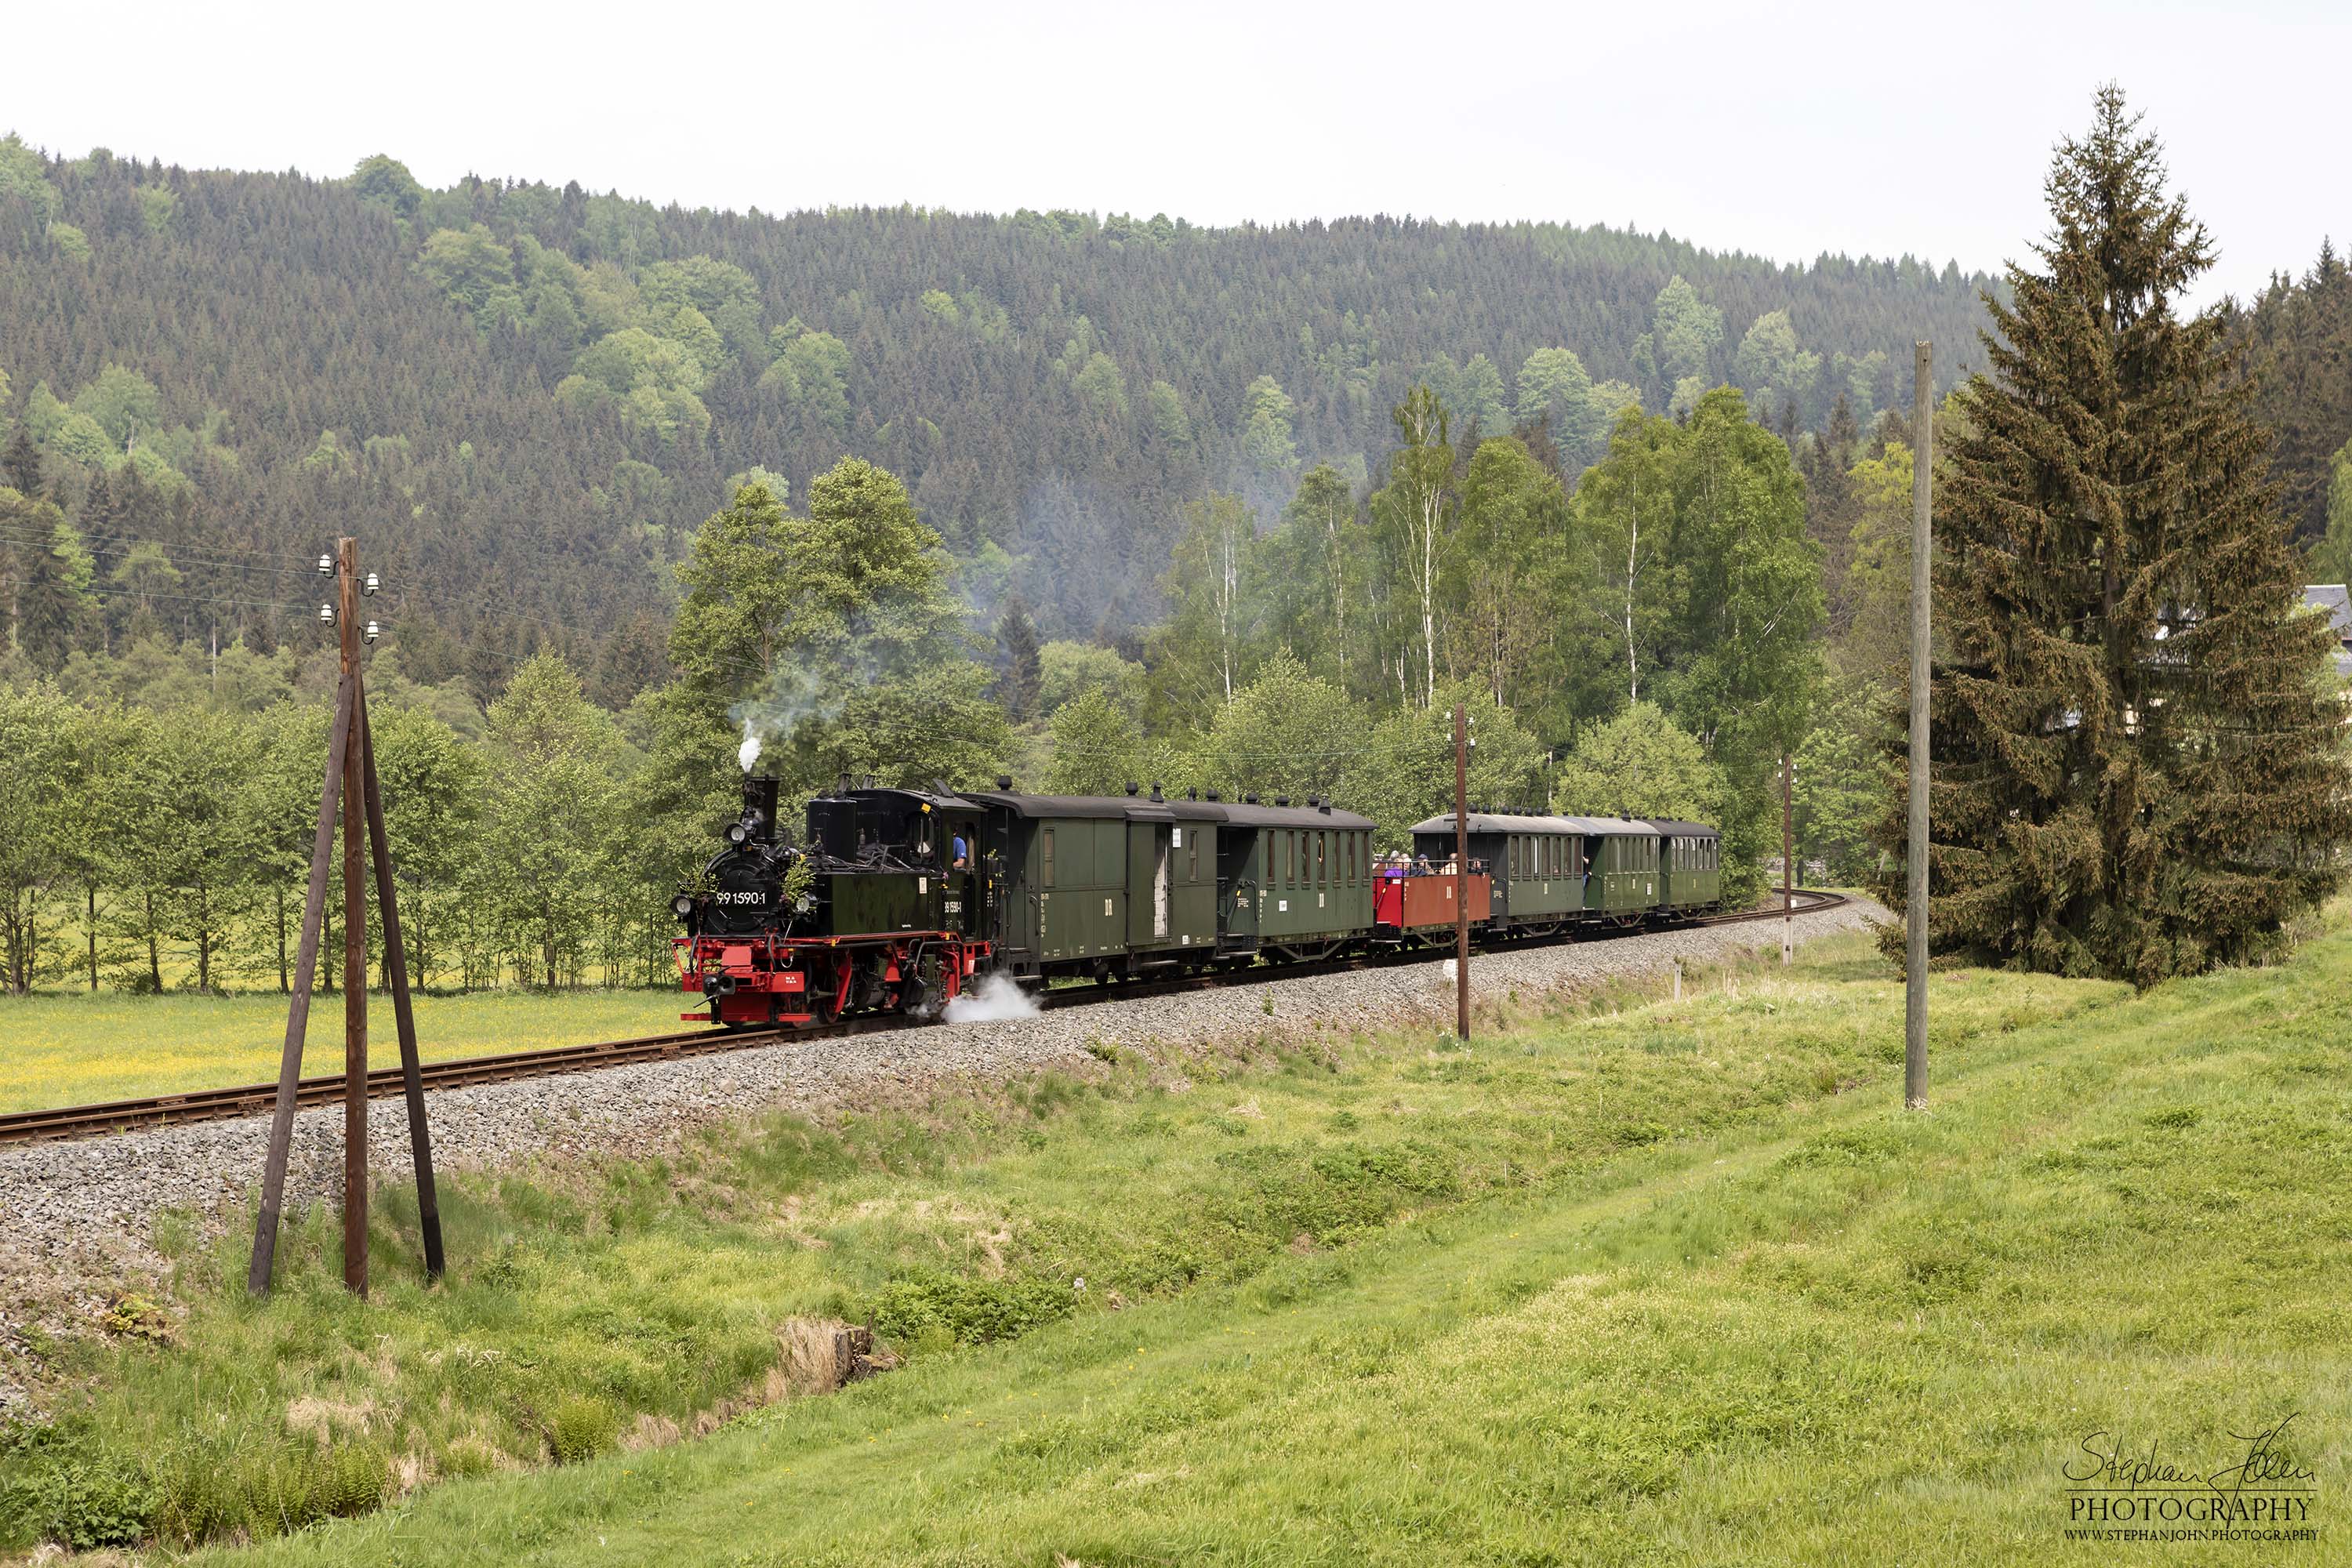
{"points": [[899, 901]]}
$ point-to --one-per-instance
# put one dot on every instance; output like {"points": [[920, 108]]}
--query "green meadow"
{"points": [[82, 1047], [1628, 1281]]}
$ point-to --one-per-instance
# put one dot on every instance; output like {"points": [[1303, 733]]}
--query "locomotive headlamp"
{"points": [[682, 905], [372, 584], [326, 565], [738, 833], [325, 615]]}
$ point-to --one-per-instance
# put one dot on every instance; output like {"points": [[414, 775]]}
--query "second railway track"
{"points": [[255, 1099]]}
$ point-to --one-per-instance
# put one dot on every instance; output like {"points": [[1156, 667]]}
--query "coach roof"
{"points": [[1505, 821], [1107, 808]]}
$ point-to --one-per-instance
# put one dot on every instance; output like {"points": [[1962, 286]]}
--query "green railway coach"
{"points": [[1293, 880], [1621, 860], [1690, 868], [1100, 884], [1535, 863]]}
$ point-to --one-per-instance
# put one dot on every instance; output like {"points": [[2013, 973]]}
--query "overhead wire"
{"points": [[111, 543]]}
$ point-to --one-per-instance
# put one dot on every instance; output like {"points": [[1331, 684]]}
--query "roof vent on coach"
{"points": [[1004, 781], [1133, 787], [1249, 800]]}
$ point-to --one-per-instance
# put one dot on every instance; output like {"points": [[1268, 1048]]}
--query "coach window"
{"points": [[1048, 858], [1192, 855]]}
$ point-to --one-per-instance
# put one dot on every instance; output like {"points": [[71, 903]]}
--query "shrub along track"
{"points": [[257, 1099]]}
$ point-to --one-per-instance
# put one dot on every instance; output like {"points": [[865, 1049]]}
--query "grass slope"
{"points": [[1649, 1287], [80, 1048]]}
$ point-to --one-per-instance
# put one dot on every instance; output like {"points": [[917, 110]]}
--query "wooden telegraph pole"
{"points": [[1787, 863], [1460, 874], [355, 1053], [351, 791], [1915, 898]]}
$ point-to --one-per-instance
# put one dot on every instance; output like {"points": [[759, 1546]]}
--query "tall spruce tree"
{"points": [[20, 466], [1018, 681], [2139, 766]]}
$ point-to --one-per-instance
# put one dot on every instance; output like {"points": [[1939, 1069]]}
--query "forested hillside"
{"points": [[920, 496], [521, 396]]}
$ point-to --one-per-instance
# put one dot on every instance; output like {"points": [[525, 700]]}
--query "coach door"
{"points": [[1150, 863]]}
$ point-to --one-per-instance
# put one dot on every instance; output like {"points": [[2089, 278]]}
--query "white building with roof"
{"points": [[2336, 601]]}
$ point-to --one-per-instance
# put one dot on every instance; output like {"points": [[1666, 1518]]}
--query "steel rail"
{"points": [[68, 1121]]}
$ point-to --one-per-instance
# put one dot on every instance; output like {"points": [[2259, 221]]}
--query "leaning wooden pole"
{"points": [[395, 976], [1915, 898], [355, 1053], [298, 1013]]}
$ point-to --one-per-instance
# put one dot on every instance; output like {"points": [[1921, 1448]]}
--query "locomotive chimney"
{"points": [[760, 795]]}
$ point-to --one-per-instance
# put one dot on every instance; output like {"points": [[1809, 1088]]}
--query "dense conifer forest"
{"points": [[524, 395]]}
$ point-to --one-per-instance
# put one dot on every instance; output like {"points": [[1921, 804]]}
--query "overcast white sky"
{"points": [[1780, 128]]}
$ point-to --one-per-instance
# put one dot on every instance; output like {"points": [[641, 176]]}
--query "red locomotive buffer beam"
{"points": [[767, 980], [1411, 903]]}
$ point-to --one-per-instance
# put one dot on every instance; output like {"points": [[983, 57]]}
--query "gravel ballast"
{"points": [[73, 1213]]}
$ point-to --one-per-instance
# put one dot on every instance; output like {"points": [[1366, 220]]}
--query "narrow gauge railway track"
{"points": [[257, 1099]]}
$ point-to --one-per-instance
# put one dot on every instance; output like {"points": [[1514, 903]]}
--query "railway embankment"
{"points": [[77, 1218], [61, 1197]]}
